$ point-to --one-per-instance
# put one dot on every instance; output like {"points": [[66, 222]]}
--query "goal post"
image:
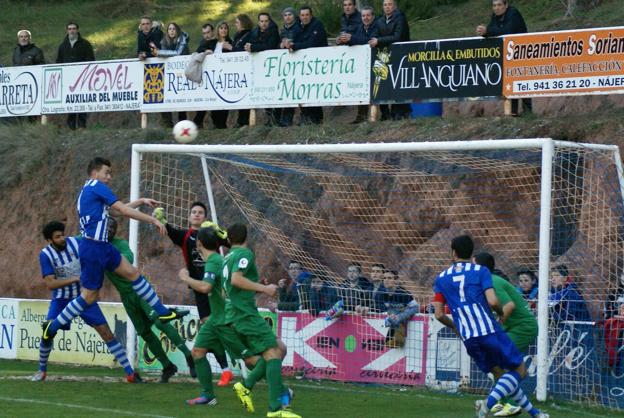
{"points": [[533, 203]]}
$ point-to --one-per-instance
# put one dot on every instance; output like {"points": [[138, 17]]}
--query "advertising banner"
{"points": [[337, 75], [8, 327], [410, 71], [102, 86], [588, 61], [354, 348], [226, 82], [20, 91], [80, 345]]}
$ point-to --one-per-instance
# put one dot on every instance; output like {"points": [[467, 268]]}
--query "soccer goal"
{"points": [[329, 210]]}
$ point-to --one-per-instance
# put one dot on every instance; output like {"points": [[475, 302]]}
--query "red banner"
{"points": [[354, 348]]}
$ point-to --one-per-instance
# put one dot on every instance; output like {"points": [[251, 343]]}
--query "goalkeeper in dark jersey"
{"points": [[186, 239], [139, 313]]}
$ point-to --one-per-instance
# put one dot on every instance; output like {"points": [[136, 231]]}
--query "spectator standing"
{"points": [[222, 43], [290, 31], [363, 33], [506, 20], [565, 301], [289, 287], [75, 48], [175, 42], [148, 38], [207, 35], [527, 286], [27, 53], [356, 292], [312, 35], [265, 36], [392, 27], [350, 20], [243, 25], [614, 339]]}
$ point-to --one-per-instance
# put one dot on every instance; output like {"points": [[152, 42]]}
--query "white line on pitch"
{"points": [[88, 408]]}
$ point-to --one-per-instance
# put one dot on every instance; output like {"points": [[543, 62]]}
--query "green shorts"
{"points": [[137, 310], [255, 333], [220, 339], [522, 338]]}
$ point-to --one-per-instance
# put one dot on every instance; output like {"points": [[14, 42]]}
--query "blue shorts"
{"points": [[494, 350], [92, 315], [96, 257]]}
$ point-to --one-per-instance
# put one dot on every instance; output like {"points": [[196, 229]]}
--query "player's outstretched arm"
{"points": [[240, 281], [52, 283], [144, 201], [139, 216], [197, 285]]}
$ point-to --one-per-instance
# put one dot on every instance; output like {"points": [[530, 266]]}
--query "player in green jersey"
{"points": [[518, 321], [240, 281], [139, 313]]}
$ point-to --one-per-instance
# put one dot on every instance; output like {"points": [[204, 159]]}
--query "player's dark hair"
{"points": [[562, 269], [209, 239], [528, 273], [463, 246], [381, 266], [485, 259], [200, 204], [97, 163], [51, 227], [112, 227], [237, 234]]}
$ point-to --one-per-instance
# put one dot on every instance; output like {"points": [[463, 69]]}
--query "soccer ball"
{"points": [[185, 131]]}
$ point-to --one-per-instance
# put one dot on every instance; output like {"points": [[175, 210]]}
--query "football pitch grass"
{"points": [[92, 392]]}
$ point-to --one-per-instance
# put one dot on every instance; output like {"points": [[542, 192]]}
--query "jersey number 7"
{"points": [[460, 279]]}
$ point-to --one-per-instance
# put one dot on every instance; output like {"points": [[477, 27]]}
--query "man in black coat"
{"points": [[148, 38], [312, 35], [26, 53], [263, 37], [290, 31], [75, 48], [506, 20], [392, 27], [349, 20]]}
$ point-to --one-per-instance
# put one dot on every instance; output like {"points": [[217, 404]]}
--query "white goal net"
{"points": [[355, 234]]}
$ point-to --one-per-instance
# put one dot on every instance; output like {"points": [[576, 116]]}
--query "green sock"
{"points": [[204, 374], [256, 374], [174, 336], [153, 343], [274, 378]]}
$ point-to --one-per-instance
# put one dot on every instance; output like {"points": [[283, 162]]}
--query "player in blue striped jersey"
{"points": [[468, 291], [98, 255], [60, 268]]}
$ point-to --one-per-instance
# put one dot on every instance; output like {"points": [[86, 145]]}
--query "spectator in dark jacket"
{"points": [[207, 36], [506, 20], [356, 291], [290, 31], [222, 43], [264, 37], [75, 48], [350, 20], [312, 35], [174, 43], [565, 300], [392, 27], [26, 53], [244, 25], [289, 288], [148, 38], [318, 296], [363, 33]]}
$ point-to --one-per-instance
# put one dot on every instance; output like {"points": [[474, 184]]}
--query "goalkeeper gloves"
{"points": [[159, 213], [221, 233]]}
